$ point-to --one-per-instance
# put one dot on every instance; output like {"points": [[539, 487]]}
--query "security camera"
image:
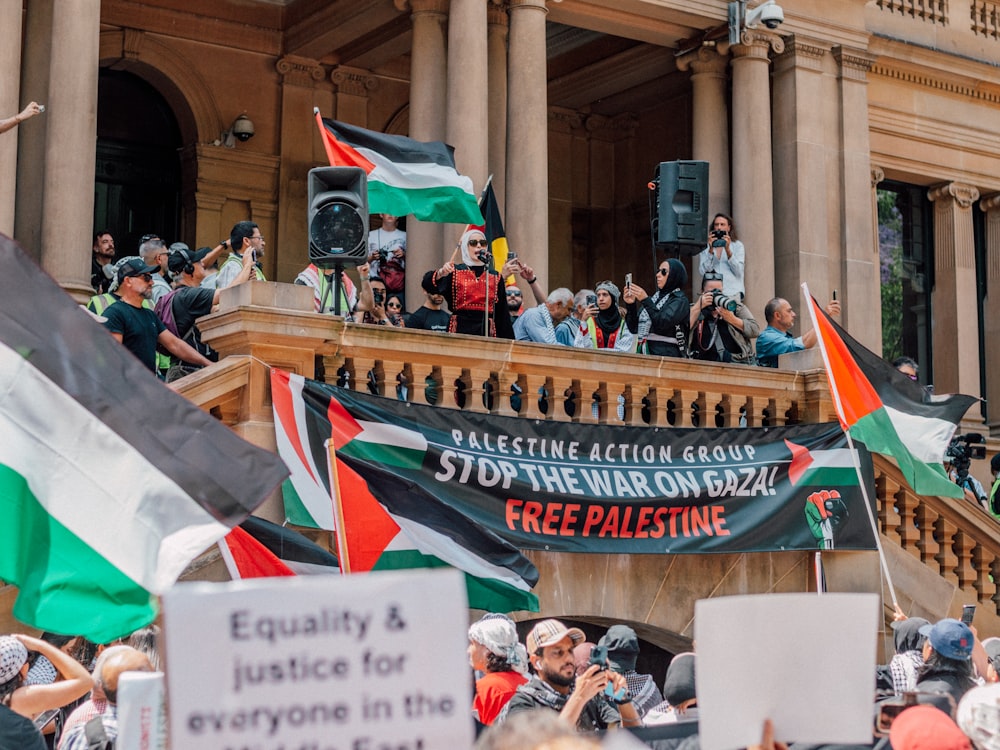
{"points": [[768, 13], [243, 126]]}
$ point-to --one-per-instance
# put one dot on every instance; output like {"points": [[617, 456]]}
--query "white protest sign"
{"points": [[362, 662], [806, 662], [141, 723]]}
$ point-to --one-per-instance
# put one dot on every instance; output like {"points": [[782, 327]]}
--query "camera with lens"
{"points": [[722, 300], [961, 450], [379, 296], [719, 235]]}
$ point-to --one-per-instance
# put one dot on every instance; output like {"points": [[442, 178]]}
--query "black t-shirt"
{"points": [[428, 320], [139, 328], [189, 304], [18, 732]]}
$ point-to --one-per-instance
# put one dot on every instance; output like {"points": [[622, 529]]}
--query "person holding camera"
{"points": [[387, 254], [722, 327], [660, 321], [725, 255], [601, 323]]}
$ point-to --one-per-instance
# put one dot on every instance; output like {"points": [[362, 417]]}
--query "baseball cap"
{"points": [[950, 638], [181, 256], [549, 632], [623, 648], [13, 655], [133, 266]]}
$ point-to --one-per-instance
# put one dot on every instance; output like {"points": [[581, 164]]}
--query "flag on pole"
{"points": [[110, 483], [386, 522], [493, 228], [887, 411], [258, 548], [404, 176]]}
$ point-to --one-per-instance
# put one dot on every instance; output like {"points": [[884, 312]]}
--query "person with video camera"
{"points": [[958, 457], [722, 327], [726, 256]]}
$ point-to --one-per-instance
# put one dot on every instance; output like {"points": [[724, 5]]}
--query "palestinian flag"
{"points": [[834, 467], [258, 548], [887, 411], [404, 176], [110, 483], [492, 227], [386, 521]]}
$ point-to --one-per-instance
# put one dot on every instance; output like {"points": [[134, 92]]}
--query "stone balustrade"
{"points": [[272, 325]]}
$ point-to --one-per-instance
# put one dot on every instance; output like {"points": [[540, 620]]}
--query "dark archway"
{"points": [[138, 178]]}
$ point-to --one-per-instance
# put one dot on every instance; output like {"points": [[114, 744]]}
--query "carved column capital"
{"points": [[353, 81], [854, 63], [878, 175], [496, 13], [704, 60], [299, 71], [756, 43], [799, 54], [963, 195], [990, 203], [537, 4]]}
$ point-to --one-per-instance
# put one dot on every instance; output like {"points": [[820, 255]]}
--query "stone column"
{"points": [[954, 300], [428, 78], [300, 77], [10, 103], [527, 219], [802, 235], [860, 267], [710, 121], [468, 88], [753, 202], [36, 59], [71, 146], [496, 42], [991, 314]]}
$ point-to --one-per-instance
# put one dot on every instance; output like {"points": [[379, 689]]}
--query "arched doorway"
{"points": [[138, 177]]}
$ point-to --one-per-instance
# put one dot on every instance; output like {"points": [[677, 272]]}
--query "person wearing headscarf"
{"points": [[495, 650], [475, 293], [660, 320], [905, 665], [602, 325]]}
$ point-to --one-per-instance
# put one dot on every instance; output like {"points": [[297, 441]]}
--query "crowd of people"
{"points": [[61, 692], [152, 300], [939, 691]]}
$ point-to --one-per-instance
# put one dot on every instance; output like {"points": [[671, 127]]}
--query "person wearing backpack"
{"points": [[181, 307]]}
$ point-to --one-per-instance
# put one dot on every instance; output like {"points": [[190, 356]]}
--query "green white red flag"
{"points": [[404, 176], [415, 532], [110, 483], [887, 411]]}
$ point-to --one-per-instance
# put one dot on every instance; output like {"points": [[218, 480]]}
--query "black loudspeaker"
{"points": [[680, 216], [338, 216]]}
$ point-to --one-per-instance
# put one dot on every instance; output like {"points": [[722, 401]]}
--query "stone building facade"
{"points": [[569, 105]]}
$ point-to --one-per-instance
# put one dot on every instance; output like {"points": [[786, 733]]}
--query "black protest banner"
{"points": [[571, 487]]}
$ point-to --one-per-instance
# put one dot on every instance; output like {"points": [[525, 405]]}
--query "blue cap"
{"points": [[950, 638]]}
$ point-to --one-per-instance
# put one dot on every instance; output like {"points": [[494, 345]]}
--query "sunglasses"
{"points": [[662, 271], [393, 306], [143, 276], [513, 294], [477, 243]]}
